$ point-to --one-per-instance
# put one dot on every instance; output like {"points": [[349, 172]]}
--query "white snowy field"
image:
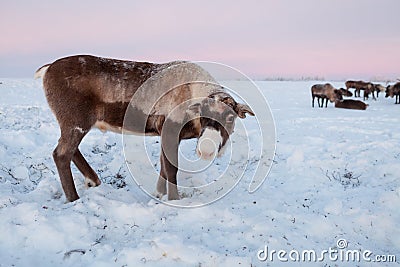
{"points": [[336, 175]]}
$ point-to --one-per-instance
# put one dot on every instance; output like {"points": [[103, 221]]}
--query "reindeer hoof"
{"points": [[90, 183], [71, 198], [174, 197], [159, 195]]}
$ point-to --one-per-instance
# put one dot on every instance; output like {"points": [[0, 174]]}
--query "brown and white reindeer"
{"points": [[394, 90], [181, 101], [325, 92]]}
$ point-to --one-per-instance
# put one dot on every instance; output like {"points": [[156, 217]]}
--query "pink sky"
{"points": [[285, 38]]}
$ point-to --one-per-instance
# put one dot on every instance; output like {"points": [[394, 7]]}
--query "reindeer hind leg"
{"points": [[63, 154], [91, 178]]}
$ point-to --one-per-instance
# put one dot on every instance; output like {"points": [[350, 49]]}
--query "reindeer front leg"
{"points": [[168, 173], [162, 180], [169, 160]]}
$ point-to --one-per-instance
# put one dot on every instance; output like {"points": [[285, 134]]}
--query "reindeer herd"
{"points": [[325, 92]]}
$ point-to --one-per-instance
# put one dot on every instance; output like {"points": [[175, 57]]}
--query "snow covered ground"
{"points": [[336, 175]]}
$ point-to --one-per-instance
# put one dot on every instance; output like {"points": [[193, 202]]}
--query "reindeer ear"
{"points": [[242, 109]]}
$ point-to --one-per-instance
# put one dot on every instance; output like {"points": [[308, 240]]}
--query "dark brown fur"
{"points": [[351, 104], [345, 92], [86, 91], [394, 91]]}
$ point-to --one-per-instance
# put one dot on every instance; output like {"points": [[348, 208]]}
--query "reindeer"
{"points": [[346, 92], [325, 92], [86, 92], [394, 90], [367, 87], [367, 91], [351, 104], [378, 88]]}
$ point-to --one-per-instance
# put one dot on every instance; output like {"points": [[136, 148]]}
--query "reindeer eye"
{"points": [[230, 118]]}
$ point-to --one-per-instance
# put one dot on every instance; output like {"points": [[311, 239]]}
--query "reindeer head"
{"points": [[337, 95], [389, 91], [217, 114]]}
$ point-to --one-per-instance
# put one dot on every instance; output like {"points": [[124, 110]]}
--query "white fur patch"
{"points": [[79, 129], [381, 88], [82, 60], [208, 144], [89, 183], [104, 127], [41, 72]]}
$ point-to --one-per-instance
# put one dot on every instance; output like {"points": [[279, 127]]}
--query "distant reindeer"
{"points": [[325, 92], [378, 88], [367, 87], [86, 92], [394, 90]]}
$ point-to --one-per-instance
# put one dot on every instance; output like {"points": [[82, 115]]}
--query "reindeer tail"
{"points": [[41, 71]]}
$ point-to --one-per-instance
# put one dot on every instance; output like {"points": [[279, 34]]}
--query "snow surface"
{"points": [[335, 175]]}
